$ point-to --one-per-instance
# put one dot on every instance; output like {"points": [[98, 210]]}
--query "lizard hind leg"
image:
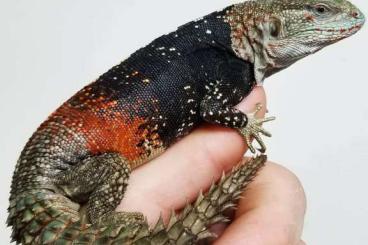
{"points": [[100, 181]]}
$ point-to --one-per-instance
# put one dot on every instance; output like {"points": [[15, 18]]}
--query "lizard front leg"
{"points": [[214, 110], [234, 80]]}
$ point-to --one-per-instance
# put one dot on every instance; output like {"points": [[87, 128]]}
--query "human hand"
{"points": [[271, 212]]}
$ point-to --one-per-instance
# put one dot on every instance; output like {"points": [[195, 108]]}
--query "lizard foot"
{"points": [[254, 129]]}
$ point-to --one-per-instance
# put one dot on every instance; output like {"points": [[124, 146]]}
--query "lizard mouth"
{"points": [[341, 33], [355, 28]]}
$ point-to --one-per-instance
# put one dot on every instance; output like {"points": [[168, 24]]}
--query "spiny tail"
{"points": [[192, 224], [43, 217]]}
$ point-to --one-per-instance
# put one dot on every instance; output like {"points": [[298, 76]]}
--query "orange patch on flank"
{"points": [[109, 131]]}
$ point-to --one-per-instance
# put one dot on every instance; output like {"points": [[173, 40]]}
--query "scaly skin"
{"points": [[54, 218], [82, 155]]}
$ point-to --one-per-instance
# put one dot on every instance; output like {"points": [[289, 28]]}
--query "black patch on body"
{"points": [[166, 81]]}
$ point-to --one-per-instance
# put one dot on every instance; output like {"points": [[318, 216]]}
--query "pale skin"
{"points": [[271, 212]]}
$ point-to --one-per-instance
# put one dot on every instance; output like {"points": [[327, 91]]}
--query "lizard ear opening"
{"points": [[275, 27]]}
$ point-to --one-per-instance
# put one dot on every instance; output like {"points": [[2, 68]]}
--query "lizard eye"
{"points": [[321, 9]]}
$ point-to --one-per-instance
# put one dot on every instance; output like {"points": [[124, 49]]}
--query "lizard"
{"points": [[82, 155]]}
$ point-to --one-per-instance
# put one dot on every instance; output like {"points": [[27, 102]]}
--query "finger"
{"points": [[248, 141], [192, 164], [260, 142], [267, 119], [264, 132], [272, 211]]}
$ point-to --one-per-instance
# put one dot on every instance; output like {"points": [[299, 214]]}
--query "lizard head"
{"points": [[273, 34]]}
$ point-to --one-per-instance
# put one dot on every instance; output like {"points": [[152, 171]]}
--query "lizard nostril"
{"points": [[355, 14]]}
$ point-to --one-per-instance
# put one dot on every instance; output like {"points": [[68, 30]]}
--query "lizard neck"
{"points": [[250, 38]]}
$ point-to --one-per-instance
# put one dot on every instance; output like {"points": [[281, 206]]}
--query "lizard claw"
{"points": [[254, 129]]}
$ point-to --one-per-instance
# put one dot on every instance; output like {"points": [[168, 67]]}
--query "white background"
{"points": [[51, 49]]}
